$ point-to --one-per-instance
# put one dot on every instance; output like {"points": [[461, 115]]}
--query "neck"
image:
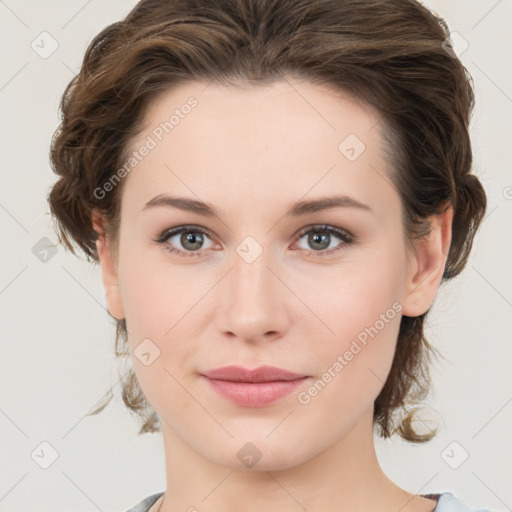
{"points": [[345, 477]]}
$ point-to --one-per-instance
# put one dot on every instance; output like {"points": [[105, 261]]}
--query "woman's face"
{"points": [[272, 278]]}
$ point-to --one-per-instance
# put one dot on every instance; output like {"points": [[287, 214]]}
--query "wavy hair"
{"points": [[393, 56]]}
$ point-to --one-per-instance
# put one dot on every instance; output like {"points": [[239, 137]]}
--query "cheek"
{"points": [[360, 305], [163, 314], [157, 318], [355, 297], [366, 327], [353, 364], [152, 299]]}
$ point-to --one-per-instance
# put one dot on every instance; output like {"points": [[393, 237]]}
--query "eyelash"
{"points": [[344, 236]]}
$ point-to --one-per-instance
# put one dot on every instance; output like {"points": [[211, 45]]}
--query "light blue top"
{"points": [[446, 502]]}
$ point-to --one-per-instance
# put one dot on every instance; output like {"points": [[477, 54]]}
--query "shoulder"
{"points": [[447, 502], [146, 503]]}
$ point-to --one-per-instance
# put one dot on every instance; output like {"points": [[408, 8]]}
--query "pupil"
{"points": [[191, 237], [316, 239]]}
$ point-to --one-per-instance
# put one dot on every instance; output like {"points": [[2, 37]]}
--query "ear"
{"points": [[427, 262], [108, 267]]}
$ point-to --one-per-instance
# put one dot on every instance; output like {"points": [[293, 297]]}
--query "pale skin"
{"points": [[251, 153]]}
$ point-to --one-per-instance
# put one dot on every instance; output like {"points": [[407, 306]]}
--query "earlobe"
{"points": [[108, 267], [427, 264]]}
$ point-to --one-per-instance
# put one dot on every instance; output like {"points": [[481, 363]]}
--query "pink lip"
{"points": [[261, 374], [253, 388]]}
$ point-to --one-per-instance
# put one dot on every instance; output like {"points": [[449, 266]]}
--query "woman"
{"points": [[274, 192]]}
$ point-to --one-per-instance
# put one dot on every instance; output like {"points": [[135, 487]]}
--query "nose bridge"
{"points": [[250, 274], [252, 305], [251, 281]]}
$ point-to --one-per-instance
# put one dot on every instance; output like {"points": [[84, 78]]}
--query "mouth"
{"points": [[253, 388], [261, 374]]}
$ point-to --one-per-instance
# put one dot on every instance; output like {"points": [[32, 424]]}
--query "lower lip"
{"points": [[254, 394]]}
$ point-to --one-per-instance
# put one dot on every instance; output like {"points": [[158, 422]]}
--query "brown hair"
{"points": [[391, 55]]}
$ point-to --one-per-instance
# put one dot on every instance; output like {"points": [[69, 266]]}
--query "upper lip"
{"points": [[261, 374]]}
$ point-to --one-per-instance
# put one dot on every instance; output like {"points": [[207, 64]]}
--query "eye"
{"points": [[190, 238], [189, 241], [320, 238]]}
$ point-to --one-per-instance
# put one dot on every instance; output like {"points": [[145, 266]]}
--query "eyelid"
{"points": [[340, 232], [345, 236], [166, 234]]}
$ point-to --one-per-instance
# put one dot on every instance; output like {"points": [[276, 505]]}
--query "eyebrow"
{"points": [[298, 209]]}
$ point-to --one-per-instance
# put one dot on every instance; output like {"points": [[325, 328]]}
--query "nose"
{"points": [[253, 301]]}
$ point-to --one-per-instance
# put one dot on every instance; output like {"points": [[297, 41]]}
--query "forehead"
{"points": [[287, 106], [288, 136]]}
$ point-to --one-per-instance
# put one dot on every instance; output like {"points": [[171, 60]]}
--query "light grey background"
{"points": [[57, 340]]}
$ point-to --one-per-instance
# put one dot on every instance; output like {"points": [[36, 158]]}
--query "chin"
{"points": [[258, 454]]}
